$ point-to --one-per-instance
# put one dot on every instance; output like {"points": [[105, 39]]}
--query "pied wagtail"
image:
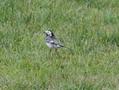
{"points": [[51, 40]]}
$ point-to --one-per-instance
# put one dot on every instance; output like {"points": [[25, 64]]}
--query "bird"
{"points": [[53, 43], [51, 40]]}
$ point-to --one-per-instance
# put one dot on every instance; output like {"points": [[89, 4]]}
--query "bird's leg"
{"points": [[50, 50], [50, 53], [55, 50]]}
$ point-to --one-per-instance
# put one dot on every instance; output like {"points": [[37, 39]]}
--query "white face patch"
{"points": [[49, 33]]}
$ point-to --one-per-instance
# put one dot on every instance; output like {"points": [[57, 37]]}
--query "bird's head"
{"points": [[49, 33]]}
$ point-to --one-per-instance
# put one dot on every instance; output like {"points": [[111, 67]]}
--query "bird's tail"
{"points": [[61, 45]]}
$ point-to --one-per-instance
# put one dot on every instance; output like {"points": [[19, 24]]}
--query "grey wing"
{"points": [[56, 43]]}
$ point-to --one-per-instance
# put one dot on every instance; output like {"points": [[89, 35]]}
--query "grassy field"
{"points": [[89, 27]]}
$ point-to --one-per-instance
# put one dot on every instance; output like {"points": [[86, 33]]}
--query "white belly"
{"points": [[49, 45], [52, 45]]}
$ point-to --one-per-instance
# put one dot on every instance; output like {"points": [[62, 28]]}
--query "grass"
{"points": [[89, 27]]}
